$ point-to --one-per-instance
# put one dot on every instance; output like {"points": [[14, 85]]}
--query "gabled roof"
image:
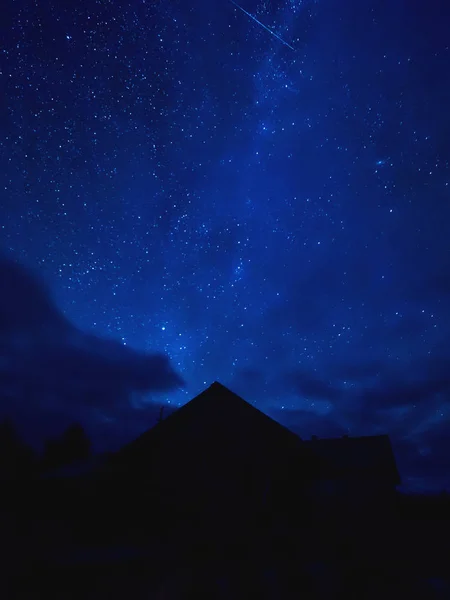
{"points": [[370, 456], [218, 413], [217, 418]]}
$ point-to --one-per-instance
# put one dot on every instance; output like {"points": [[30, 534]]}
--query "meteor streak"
{"points": [[262, 25]]}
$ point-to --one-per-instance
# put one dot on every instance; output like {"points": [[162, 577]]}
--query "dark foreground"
{"points": [[61, 541]]}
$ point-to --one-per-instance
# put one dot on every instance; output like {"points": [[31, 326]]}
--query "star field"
{"points": [[271, 216]]}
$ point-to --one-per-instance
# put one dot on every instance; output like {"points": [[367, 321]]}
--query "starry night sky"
{"points": [[271, 215]]}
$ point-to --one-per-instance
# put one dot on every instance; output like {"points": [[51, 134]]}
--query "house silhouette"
{"points": [[219, 490], [218, 477], [221, 466], [219, 460], [220, 455], [221, 428]]}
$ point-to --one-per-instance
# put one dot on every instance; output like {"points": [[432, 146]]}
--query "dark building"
{"points": [[357, 471], [220, 480], [223, 468], [222, 464], [220, 490], [221, 441]]}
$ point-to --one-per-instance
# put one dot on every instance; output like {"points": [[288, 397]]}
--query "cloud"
{"points": [[404, 394], [91, 364], [425, 458], [411, 403], [310, 386], [358, 371], [419, 385], [245, 378], [25, 303], [49, 365]]}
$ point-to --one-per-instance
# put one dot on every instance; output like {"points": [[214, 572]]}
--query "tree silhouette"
{"points": [[16, 458], [76, 443], [72, 447]]}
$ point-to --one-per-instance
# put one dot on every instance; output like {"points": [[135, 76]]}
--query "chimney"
{"points": [[161, 410]]}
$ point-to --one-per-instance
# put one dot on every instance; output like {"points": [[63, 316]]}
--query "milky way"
{"points": [[274, 220]]}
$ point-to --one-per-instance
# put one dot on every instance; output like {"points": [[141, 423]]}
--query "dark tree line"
{"points": [[18, 458], [15, 456]]}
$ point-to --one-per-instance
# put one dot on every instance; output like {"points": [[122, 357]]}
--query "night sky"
{"points": [[271, 211]]}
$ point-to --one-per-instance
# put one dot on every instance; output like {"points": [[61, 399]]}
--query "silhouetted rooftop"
{"points": [[217, 417], [216, 414]]}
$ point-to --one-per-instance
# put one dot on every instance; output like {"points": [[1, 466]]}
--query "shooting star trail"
{"points": [[262, 25]]}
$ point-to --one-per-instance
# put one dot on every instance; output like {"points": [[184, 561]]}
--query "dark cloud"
{"points": [[249, 377], [436, 284], [436, 367], [311, 386], [92, 364], [394, 394], [48, 365], [25, 303], [425, 458], [377, 398], [358, 371], [426, 379]]}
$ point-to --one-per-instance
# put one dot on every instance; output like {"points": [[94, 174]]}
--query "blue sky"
{"points": [[272, 218]]}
